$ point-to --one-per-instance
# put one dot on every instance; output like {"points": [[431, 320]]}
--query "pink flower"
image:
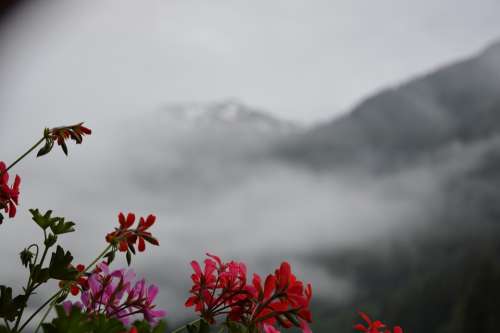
{"points": [[111, 293], [150, 314]]}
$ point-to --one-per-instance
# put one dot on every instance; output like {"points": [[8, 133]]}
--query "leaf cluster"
{"points": [[10, 307], [58, 225], [78, 322]]}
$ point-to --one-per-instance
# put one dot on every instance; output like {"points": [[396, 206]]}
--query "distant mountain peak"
{"points": [[227, 113]]}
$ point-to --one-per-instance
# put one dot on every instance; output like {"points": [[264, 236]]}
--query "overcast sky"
{"points": [[305, 60]]}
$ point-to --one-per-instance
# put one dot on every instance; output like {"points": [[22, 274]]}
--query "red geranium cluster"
{"points": [[9, 196], [375, 326], [125, 238], [222, 289]]}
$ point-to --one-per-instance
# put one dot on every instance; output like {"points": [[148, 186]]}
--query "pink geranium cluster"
{"points": [[222, 289], [117, 295], [9, 195]]}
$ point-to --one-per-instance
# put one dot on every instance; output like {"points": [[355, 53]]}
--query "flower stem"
{"points": [[179, 329], [47, 312], [57, 294], [100, 256], [50, 300], [25, 154], [6, 324]]}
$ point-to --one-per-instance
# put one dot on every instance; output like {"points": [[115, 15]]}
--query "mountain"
{"points": [[455, 105], [228, 114], [191, 149], [441, 277]]}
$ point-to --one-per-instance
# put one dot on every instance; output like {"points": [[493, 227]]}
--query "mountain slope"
{"points": [[458, 104]]}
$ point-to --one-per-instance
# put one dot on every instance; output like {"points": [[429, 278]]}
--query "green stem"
{"points": [[45, 315], [55, 296], [99, 257], [221, 329], [31, 286], [179, 329], [29, 290], [45, 251], [6, 324], [25, 154], [37, 249]]}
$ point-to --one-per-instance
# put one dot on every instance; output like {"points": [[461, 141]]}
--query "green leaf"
{"points": [[161, 327], [50, 241], [78, 322], [131, 248], [39, 274], [62, 227], [204, 326], [200, 326], [129, 258], [235, 327], [110, 256], [101, 324], [59, 267], [144, 327], [10, 307], [26, 257], [4, 329], [49, 143], [64, 147], [192, 328], [45, 220]]}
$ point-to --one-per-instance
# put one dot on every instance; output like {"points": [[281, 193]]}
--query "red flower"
{"points": [[283, 300], [221, 288], [374, 326], [9, 196], [126, 238], [81, 282], [61, 134], [218, 287], [143, 235]]}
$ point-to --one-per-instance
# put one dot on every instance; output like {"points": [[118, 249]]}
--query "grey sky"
{"points": [[305, 60]]}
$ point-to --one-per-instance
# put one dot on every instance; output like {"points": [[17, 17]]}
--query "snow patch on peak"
{"points": [[229, 113]]}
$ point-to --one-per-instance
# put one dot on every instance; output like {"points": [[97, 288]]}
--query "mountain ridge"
{"points": [[457, 103]]}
